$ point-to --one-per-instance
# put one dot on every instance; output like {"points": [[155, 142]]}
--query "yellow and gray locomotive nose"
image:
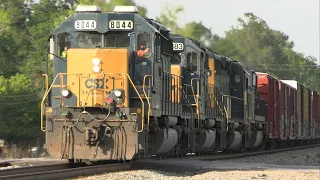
{"points": [[103, 70]]}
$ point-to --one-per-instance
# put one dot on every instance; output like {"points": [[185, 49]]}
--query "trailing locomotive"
{"points": [[128, 88]]}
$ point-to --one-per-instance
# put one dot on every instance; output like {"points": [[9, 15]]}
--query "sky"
{"points": [[299, 19]]}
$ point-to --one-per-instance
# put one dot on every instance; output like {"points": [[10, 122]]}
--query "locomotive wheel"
{"points": [[72, 161]]}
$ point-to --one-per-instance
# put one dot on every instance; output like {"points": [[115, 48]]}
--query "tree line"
{"points": [[26, 26]]}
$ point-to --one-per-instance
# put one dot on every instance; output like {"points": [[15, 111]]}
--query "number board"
{"points": [[120, 24], [177, 46], [85, 24]]}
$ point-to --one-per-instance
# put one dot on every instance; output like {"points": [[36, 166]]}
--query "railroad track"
{"points": [[66, 170], [61, 171], [255, 153]]}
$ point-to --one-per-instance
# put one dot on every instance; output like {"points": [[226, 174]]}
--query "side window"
{"points": [[194, 61], [236, 78], [183, 60], [144, 45], [51, 47], [247, 83], [254, 79], [189, 61], [63, 43], [206, 60]]}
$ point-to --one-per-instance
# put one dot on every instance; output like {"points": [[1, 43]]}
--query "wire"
{"points": [[23, 95]]}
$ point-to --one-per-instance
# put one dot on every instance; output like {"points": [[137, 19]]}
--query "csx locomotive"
{"points": [[125, 88]]}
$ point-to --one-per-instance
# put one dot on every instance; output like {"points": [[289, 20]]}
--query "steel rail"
{"points": [[247, 154], [37, 168], [70, 172]]}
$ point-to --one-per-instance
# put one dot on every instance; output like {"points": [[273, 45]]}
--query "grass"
{"points": [[18, 151]]}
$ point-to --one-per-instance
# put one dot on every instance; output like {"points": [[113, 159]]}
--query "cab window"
{"points": [[189, 61], [176, 59], [144, 44], [89, 40], [63, 40], [194, 61], [117, 39]]}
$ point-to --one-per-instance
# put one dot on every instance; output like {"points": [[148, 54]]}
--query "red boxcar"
{"points": [[299, 107], [282, 110], [269, 91], [292, 110], [287, 110]]}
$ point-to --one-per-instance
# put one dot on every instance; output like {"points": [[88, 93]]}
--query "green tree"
{"points": [[14, 43], [6, 22], [19, 108], [47, 15], [264, 49], [195, 30]]}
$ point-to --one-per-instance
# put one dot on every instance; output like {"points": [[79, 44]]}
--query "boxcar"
{"points": [[298, 101], [291, 110], [287, 110], [269, 91], [307, 113], [315, 115]]}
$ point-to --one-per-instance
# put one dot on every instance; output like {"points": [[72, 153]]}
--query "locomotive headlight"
{"points": [[96, 69], [117, 93], [96, 61], [65, 93]]}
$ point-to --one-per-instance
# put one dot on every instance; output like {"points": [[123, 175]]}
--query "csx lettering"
{"points": [[95, 83]]}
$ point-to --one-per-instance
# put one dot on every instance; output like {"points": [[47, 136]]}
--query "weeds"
{"points": [[18, 151]]}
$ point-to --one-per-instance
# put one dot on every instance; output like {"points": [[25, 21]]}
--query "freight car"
{"points": [[128, 88]]}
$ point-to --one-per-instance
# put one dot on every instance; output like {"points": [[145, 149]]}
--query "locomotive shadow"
{"points": [[184, 168]]}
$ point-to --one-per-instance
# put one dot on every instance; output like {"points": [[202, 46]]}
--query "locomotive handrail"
{"points": [[133, 85], [211, 95], [61, 85], [196, 99], [194, 95], [147, 97], [43, 129], [175, 87], [225, 106], [47, 87]]}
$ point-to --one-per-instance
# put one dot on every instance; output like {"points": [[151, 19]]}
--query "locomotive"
{"points": [[128, 89]]}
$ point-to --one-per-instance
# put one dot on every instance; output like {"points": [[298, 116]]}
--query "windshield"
{"points": [[89, 40], [111, 39], [176, 59], [117, 39]]}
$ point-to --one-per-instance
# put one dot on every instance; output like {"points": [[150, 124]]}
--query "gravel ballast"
{"points": [[304, 157], [216, 175], [298, 164]]}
